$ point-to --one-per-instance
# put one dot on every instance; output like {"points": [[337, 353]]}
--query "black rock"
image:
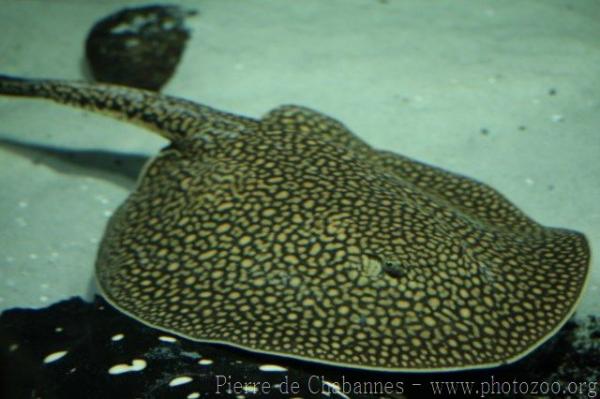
{"points": [[93, 339], [96, 338], [138, 47]]}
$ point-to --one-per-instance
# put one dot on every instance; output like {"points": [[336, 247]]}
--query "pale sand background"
{"points": [[418, 77]]}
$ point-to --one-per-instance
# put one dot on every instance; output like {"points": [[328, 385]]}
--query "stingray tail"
{"points": [[170, 117]]}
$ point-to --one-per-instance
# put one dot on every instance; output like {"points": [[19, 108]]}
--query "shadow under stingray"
{"points": [[118, 168]]}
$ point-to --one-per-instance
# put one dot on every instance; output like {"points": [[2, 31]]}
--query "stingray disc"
{"points": [[289, 235]]}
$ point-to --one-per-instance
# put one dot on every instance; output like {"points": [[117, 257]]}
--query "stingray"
{"points": [[289, 235]]}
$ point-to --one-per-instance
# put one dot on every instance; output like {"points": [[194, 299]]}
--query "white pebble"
{"points": [[136, 365], [180, 381], [54, 356], [117, 337], [193, 395], [333, 388], [166, 338], [251, 389], [271, 367], [205, 362]]}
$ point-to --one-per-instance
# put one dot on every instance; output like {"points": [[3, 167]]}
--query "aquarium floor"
{"points": [[502, 92]]}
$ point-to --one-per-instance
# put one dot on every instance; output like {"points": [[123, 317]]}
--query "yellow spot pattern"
{"points": [[290, 235]]}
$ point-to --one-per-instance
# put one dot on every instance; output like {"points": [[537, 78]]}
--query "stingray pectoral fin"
{"points": [[477, 201], [298, 240], [170, 117]]}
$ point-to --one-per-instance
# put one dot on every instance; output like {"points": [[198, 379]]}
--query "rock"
{"points": [[138, 47], [75, 349]]}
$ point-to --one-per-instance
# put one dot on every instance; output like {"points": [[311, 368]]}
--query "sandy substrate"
{"points": [[503, 92]]}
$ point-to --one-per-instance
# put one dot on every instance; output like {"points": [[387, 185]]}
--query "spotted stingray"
{"points": [[289, 235]]}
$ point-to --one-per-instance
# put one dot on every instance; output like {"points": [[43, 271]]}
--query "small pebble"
{"points": [[180, 381], [271, 367], [54, 356], [250, 389], [136, 365], [117, 337]]}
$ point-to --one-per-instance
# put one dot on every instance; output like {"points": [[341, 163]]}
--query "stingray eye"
{"points": [[394, 268]]}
